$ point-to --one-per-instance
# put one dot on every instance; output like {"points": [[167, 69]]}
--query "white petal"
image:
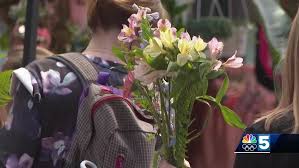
{"points": [[182, 59], [69, 78], [217, 65]]}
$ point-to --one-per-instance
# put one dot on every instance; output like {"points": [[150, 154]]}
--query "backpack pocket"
{"points": [[129, 149], [121, 136]]}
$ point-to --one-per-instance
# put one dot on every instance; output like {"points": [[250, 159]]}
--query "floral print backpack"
{"points": [[111, 131]]}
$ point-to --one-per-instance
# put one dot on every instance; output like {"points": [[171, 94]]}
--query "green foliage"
{"points": [[175, 11], [215, 74], [210, 27], [2, 55], [18, 12], [138, 52], [146, 30], [158, 63], [5, 82], [172, 67], [188, 84], [222, 90], [180, 32], [277, 25], [79, 38], [229, 116], [4, 41], [184, 107], [119, 53]]}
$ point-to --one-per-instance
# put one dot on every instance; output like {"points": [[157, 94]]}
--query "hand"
{"points": [[165, 164]]}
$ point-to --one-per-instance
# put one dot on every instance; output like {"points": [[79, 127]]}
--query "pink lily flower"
{"points": [[234, 62], [157, 32], [215, 47], [217, 65], [135, 19], [127, 34], [185, 36], [164, 24]]}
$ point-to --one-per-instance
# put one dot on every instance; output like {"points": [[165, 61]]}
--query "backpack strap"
{"points": [[81, 66]]}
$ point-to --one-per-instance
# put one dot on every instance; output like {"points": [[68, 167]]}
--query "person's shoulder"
{"points": [[283, 124], [256, 128]]}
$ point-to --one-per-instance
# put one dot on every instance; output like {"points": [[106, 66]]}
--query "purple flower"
{"points": [[52, 82], [56, 146], [127, 34], [117, 91], [25, 161], [103, 78]]}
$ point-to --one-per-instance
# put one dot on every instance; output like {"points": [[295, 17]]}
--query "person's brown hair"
{"points": [[114, 13], [289, 97]]}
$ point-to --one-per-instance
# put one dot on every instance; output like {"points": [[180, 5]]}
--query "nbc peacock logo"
{"points": [[249, 138], [249, 143]]}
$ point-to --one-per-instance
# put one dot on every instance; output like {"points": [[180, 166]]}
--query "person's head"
{"points": [[289, 100], [111, 14]]}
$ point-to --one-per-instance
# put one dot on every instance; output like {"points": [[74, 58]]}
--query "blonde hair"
{"points": [[289, 97], [114, 13]]}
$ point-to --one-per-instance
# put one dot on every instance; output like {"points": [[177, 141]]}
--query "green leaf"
{"points": [[155, 161], [4, 41], [146, 29], [232, 118], [208, 98], [180, 32], [222, 91], [158, 63], [5, 82], [215, 74], [119, 54], [2, 55], [138, 52]]}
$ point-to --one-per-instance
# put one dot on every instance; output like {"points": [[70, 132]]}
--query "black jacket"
{"points": [[277, 160]]}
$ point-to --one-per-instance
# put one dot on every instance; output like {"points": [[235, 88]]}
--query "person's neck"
{"points": [[101, 45]]}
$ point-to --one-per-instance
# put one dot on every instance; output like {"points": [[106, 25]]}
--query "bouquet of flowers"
{"points": [[172, 71]]}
